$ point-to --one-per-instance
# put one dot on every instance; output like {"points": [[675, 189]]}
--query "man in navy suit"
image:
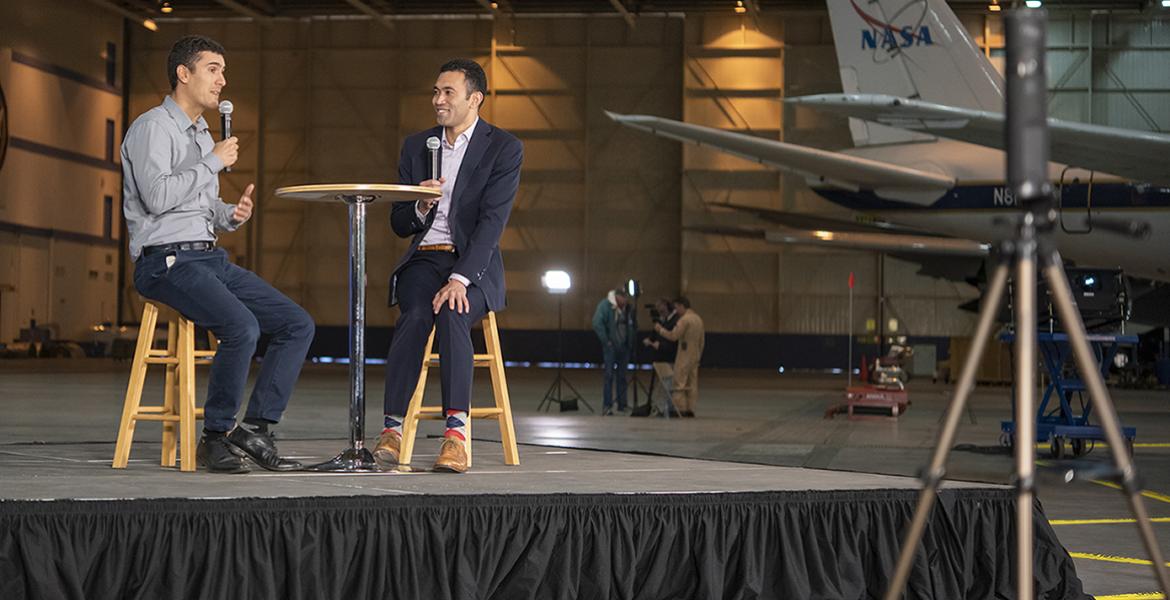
{"points": [[452, 275]]}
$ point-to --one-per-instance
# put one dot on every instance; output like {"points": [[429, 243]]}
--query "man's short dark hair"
{"points": [[683, 300], [620, 292], [186, 52], [472, 72]]}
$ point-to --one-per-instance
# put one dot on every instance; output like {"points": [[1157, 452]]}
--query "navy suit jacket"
{"points": [[480, 204]]}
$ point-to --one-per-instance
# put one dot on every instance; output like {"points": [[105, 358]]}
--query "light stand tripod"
{"points": [[1027, 144], [632, 329], [556, 392]]}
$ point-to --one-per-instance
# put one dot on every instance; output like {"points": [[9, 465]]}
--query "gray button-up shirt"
{"points": [[170, 180]]}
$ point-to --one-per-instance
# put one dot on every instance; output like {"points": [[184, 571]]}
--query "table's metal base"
{"points": [[351, 460]]}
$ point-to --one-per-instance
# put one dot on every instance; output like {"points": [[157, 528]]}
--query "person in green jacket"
{"points": [[612, 324]]}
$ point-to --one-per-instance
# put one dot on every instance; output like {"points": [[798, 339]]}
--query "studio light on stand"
{"points": [[634, 291], [558, 284]]}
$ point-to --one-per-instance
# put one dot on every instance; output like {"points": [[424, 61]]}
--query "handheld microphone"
{"points": [[433, 146], [225, 121]]}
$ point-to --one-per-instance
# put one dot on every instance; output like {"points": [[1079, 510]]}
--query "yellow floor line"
{"points": [[1160, 497], [1148, 494], [1140, 596], [1113, 559], [1057, 522]]}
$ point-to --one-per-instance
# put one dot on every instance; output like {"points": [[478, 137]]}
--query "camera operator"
{"points": [[691, 337], [663, 352]]}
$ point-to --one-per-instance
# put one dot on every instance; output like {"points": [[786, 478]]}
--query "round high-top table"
{"points": [[356, 458]]}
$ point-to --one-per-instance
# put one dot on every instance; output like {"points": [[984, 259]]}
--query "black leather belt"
{"points": [[177, 247]]}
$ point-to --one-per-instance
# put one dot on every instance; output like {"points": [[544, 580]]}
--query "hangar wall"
{"points": [[60, 183]]}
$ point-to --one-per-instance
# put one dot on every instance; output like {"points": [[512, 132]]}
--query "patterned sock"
{"points": [[456, 424], [393, 422]]}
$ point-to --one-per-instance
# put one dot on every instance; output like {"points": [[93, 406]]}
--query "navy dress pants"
{"points": [[418, 281]]}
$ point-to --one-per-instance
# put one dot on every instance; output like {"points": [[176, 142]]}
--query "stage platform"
{"points": [[566, 523]]}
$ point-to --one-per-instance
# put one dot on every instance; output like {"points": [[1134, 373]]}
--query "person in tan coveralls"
{"points": [[690, 335]]}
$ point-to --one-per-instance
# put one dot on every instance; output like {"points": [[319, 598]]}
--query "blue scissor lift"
{"points": [[1061, 423]]}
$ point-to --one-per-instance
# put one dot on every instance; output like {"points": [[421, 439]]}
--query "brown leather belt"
{"points": [[437, 248]]}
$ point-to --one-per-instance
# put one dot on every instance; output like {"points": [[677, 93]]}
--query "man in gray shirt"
{"points": [[170, 197]]}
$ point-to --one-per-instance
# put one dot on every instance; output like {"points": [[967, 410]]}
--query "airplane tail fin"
{"points": [[913, 49]]}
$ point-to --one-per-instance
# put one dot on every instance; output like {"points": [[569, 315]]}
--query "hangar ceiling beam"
{"points": [[247, 11], [621, 8], [385, 20]]}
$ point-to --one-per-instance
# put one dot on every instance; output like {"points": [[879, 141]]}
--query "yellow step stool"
{"points": [[178, 407]]}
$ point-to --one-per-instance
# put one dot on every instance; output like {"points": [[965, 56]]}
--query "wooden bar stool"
{"points": [[502, 412], [178, 407]]}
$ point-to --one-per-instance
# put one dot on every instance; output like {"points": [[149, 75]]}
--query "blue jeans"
{"points": [[616, 360], [237, 306]]}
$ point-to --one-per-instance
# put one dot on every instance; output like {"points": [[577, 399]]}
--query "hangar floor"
{"points": [[48, 407]]}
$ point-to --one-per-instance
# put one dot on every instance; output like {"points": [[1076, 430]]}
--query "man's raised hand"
{"points": [[243, 210]]}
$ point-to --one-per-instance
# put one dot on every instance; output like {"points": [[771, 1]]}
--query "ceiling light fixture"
{"points": [[1033, 3], [167, 8], [739, 7]]}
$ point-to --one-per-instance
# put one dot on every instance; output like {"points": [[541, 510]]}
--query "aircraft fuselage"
{"points": [[981, 206]]}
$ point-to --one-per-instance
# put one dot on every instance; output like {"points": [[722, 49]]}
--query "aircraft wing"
{"points": [[820, 167], [852, 240], [795, 220], [1137, 155]]}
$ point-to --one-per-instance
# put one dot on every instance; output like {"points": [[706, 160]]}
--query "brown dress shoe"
{"points": [[386, 454], [452, 456]]}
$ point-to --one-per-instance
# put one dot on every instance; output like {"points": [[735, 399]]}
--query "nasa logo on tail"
{"points": [[906, 28]]}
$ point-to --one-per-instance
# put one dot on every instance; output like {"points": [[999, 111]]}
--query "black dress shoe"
{"points": [[217, 455], [261, 449]]}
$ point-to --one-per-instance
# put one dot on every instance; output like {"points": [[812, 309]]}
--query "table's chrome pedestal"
{"points": [[356, 458]]}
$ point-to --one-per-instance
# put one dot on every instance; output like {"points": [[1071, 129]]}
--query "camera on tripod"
{"points": [[655, 314]]}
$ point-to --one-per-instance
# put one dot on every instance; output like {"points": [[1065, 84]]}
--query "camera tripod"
{"points": [[1027, 142], [1029, 249]]}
